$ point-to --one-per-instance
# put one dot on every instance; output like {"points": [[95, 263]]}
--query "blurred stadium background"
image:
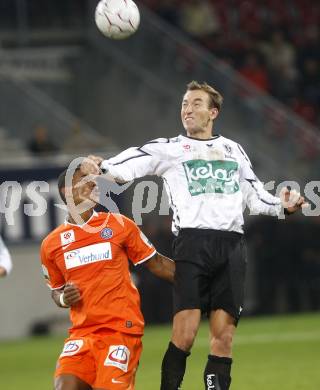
{"points": [[65, 91]]}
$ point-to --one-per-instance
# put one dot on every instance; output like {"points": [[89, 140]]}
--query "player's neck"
{"points": [[200, 134], [83, 217]]}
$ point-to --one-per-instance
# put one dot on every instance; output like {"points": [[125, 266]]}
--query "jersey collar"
{"points": [[197, 139], [94, 214]]}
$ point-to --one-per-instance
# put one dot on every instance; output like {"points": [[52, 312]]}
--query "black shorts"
{"points": [[210, 271]]}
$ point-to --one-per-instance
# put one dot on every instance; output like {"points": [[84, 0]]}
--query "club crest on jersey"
{"points": [[214, 176], [72, 347], [106, 233], [228, 151], [228, 148], [118, 356], [67, 237]]}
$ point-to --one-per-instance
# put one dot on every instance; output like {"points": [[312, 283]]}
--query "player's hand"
{"points": [[71, 294], [292, 200], [91, 165]]}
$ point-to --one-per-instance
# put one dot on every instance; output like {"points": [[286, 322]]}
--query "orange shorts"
{"points": [[105, 360]]}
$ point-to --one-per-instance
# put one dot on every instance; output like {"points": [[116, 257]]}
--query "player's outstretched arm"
{"points": [[132, 163], [67, 296], [161, 266]]}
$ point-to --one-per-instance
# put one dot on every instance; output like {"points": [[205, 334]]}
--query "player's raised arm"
{"points": [[161, 266]]}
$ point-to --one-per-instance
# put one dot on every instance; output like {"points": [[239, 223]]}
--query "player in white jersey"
{"points": [[209, 180], [5, 259]]}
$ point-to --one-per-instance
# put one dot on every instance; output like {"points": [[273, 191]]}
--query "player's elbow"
{"points": [[154, 264], [3, 272]]}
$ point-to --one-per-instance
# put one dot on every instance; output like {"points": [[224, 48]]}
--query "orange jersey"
{"points": [[98, 264]]}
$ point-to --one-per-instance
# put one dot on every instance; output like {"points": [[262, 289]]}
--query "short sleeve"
{"points": [[138, 247], [54, 277]]}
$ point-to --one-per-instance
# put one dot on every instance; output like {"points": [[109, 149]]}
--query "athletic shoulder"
{"points": [[158, 145], [52, 239], [158, 141], [229, 141], [123, 220], [234, 145]]}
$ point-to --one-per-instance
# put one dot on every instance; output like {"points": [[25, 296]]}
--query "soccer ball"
{"points": [[117, 19]]}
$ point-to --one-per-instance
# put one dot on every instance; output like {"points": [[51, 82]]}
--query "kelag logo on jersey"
{"points": [[215, 176]]}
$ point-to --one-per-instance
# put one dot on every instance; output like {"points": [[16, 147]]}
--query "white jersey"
{"points": [[208, 182], [5, 258]]}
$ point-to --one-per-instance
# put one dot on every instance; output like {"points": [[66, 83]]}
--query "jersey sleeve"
{"points": [[136, 162], [5, 258], [255, 196], [138, 248], [54, 277]]}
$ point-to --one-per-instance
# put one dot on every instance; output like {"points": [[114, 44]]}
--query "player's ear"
{"points": [[63, 194], [214, 112]]}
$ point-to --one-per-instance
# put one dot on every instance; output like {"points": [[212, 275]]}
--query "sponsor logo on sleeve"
{"points": [[88, 255], [72, 347], [118, 356], [67, 238], [106, 233]]}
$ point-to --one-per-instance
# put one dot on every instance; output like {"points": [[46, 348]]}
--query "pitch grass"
{"points": [[274, 353]]}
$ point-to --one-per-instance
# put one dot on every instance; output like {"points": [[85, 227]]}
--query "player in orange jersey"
{"points": [[87, 269]]}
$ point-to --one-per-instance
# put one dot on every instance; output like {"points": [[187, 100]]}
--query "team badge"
{"points": [[106, 233], [67, 237], [118, 356], [228, 148]]}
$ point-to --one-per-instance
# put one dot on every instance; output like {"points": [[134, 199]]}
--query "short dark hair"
{"points": [[215, 97], [62, 183]]}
